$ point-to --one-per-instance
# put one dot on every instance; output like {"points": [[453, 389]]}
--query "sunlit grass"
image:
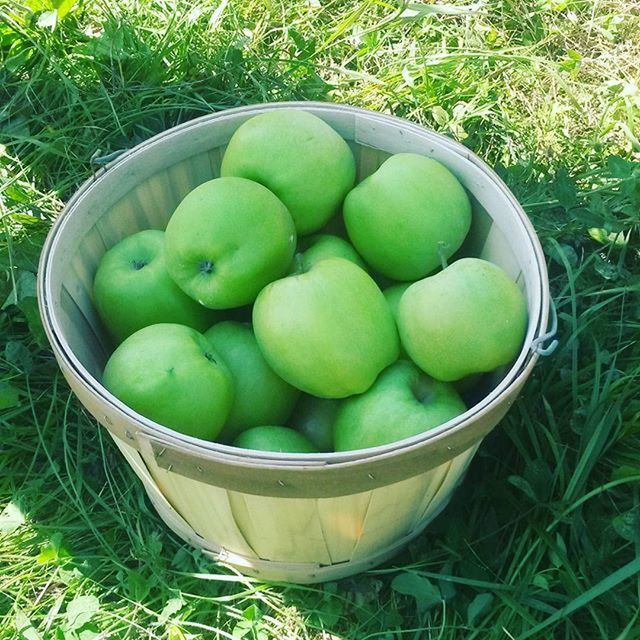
{"points": [[541, 540]]}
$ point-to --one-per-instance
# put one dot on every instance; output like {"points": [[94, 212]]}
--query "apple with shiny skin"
{"points": [[274, 438], [393, 294], [469, 318], [323, 246], [402, 402], [132, 289], [226, 240], [261, 397], [172, 375], [299, 157], [408, 217], [329, 331]]}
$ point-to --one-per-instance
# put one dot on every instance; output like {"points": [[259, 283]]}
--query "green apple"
{"points": [[261, 397], [324, 246], [402, 402], [132, 288], [335, 226], [226, 240], [314, 417], [393, 294], [407, 217], [171, 374], [328, 331], [469, 318], [274, 438], [305, 162]]}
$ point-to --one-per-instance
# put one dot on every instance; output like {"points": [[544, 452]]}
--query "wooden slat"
{"points": [[182, 178], [497, 249], [200, 169], [342, 522], [433, 481], [390, 515], [481, 223], [81, 290], [454, 475], [368, 160], [205, 508], [169, 515], [83, 262], [161, 200], [90, 347], [151, 204], [119, 222], [215, 160], [281, 529]]}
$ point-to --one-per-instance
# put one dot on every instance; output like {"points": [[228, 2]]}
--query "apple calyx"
{"points": [[210, 357], [205, 267], [139, 264]]}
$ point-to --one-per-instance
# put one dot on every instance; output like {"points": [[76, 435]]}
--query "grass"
{"points": [[542, 539]]}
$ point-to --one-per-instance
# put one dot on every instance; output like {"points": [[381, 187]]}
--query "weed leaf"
{"points": [[25, 287], [447, 587], [63, 7], [565, 189], [29, 307], [11, 518], [478, 607], [48, 20], [426, 594], [52, 550], [171, 608], [415, 10], [19, 356], [329, 611], [523, 485], [619, 167], [9, 396], [138, 585], [627, 525], [25, 628], [80, 611], [175, 633]]}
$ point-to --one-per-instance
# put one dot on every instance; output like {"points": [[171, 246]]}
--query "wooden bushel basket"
{"points": [[296, 517]]}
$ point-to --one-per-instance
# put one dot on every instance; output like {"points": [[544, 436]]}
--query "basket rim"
{"points": [[520, 369]]}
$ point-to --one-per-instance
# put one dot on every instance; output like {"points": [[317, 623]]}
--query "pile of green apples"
{"points": [[288, 307]]}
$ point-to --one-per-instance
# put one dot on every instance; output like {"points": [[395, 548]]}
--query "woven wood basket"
{"points": [[300, 518]]}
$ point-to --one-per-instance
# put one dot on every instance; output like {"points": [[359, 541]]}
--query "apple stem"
{"points": [[442, 247], [138, 264], [298, 263]]}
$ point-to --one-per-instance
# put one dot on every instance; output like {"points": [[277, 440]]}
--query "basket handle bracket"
{"points": [[538, 344], [96, 160]]}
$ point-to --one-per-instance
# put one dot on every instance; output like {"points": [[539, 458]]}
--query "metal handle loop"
{"points": [[537, 345], [97, 160]]}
